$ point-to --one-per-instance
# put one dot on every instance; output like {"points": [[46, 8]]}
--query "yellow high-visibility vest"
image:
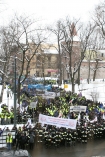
{"points": [[9, 139]]}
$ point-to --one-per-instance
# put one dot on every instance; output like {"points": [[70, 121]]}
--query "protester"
{"points": [[9, 140], [1, 131], [90, 123], [31, 140], [22, 141]]}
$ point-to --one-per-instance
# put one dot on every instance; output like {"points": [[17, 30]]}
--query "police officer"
{"points": [[9, 140], [11, 116], [2, 118]]}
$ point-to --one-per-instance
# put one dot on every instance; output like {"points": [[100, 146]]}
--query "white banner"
{"points": [[49, 95], [59, 122], [33, 104], [78, 108]]}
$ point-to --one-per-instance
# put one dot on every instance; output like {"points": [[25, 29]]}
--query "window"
{"points": [[38, 58], [49, 58], [102, 55], [28, 72], [49, 74], [37, 73]]}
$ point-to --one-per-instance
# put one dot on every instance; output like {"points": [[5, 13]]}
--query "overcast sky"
{"points": [[47, 10]]}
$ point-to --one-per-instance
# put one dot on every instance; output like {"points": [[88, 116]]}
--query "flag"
{"points": [[103, 117]]}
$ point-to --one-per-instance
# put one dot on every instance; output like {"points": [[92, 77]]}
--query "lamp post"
{"points": [[15, 91], [8, 92], [67, 69]]}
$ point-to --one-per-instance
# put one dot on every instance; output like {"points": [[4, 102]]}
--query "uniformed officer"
{"points": [[84, 135], [48, 140], [79, 134], [57, 138], [69, 138], [74, 137]]}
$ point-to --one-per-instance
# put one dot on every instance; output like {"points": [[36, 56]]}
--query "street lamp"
{"points": [[15, 91]]}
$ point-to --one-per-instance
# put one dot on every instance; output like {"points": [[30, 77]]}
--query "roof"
{"points": [[51, 51], [76, 38], [101, 51]]}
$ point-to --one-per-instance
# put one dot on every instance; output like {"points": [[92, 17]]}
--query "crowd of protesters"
{"points": [[7, 116], [49, 135]]}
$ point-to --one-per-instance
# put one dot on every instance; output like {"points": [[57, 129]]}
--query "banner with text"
{"points": [[78, 108], [59, 122], [50, 95]]}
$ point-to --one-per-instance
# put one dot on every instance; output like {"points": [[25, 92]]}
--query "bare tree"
{"points": [[99, 18], [74, 47], [27, 39], [58, 32], [96, 41], [94, 96], [5, 53]]}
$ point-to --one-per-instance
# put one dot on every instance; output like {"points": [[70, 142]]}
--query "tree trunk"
{"points": [[88, 73], [73, 85], [94, 75], [2, 91], [18, 92], [79, 76]]}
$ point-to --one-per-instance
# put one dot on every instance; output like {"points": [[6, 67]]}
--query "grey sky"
{"points": [[48, 10]]}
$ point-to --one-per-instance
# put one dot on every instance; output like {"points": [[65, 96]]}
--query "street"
{"points": [[94, 148]]}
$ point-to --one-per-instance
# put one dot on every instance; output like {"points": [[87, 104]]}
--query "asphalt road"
{"points": [[94, 148]]}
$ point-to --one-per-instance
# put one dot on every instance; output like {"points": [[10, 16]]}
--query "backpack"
{"points": [[31, 140]]}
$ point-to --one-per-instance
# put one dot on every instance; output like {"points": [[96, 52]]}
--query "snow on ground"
{"points": [[95, 90]]}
